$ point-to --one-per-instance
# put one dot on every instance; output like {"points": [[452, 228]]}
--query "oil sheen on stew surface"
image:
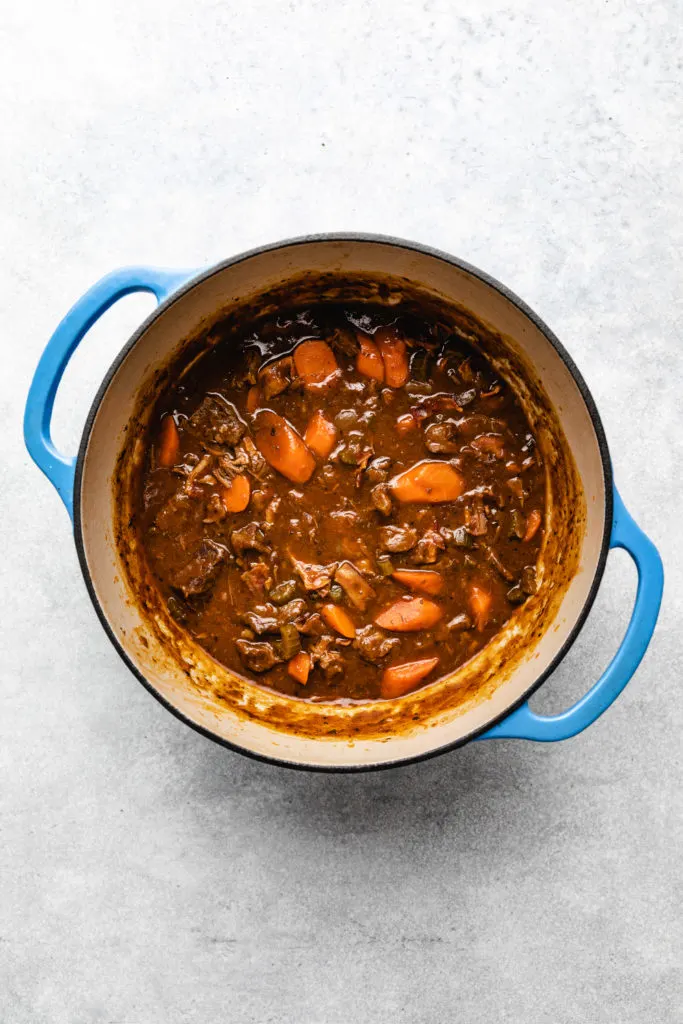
{"points": [[346, 504]]}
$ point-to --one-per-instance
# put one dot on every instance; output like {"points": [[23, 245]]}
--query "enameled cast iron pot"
{"points": [[186, 299]]}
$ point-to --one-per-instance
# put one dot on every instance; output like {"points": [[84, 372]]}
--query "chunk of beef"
{"points": [[397, 538], [258, 466], [355, 587], [342, 641], [529, 580], [381, 499], [517, 524], [312, 625], [200, 573], [428, 548], [257, 657], [459, 537], [489, 446], [274, 378], [362, 465], [378, 469], [246, 458], [432, 404], [194, 477], [249, 538], [478, 423], [215, 510], [482, 494], [260, 498], [357, 550], [373, 645], [313, 577], [230, 466], [516, 595], [283, 592], [330, 661], [260, 624], [344, 341], [216, 421], [476, 522], [246, 371], [258, 578], [443, 437], [346, 420], [291, 611]]}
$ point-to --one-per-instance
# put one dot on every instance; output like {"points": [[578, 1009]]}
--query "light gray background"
{"points": [[148, 876]]}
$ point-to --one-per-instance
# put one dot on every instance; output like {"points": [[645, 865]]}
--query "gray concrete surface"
{"points": [[150, 877]]}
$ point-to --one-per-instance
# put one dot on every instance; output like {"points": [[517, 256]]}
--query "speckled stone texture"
{"points": [[149, 877]]}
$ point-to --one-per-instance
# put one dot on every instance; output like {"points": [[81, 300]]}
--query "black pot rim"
{"points": [[217, 268]]}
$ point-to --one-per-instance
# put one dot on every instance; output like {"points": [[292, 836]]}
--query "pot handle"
{"points": [[60, 469], [525, 724]]}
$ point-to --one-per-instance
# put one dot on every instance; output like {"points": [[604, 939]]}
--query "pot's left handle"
{"points": [[58, 468]]}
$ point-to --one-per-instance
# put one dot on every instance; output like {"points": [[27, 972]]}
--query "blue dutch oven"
{"points": [[250, 719]]}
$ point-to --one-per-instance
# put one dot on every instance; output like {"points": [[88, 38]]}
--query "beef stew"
{"points": [[347, 505]]}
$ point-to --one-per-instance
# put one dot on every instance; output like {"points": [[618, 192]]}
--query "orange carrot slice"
{"points": [[338, 619], [282, 448], [315, 362], [426, 581], [169, 442], [409, 616], [299, 666], [236, 496], [405, 423], [480, 606], [320, 434], [275, 377], [398, 679], [533, 522], [394, 352], [428, 482], [369, 361], [253, 398]]}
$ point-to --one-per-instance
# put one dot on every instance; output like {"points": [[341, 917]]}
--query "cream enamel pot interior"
{"points": [[248, 720]]}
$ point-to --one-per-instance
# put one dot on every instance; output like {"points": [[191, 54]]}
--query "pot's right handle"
{"points": [[526, 724], [58, 468]]}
